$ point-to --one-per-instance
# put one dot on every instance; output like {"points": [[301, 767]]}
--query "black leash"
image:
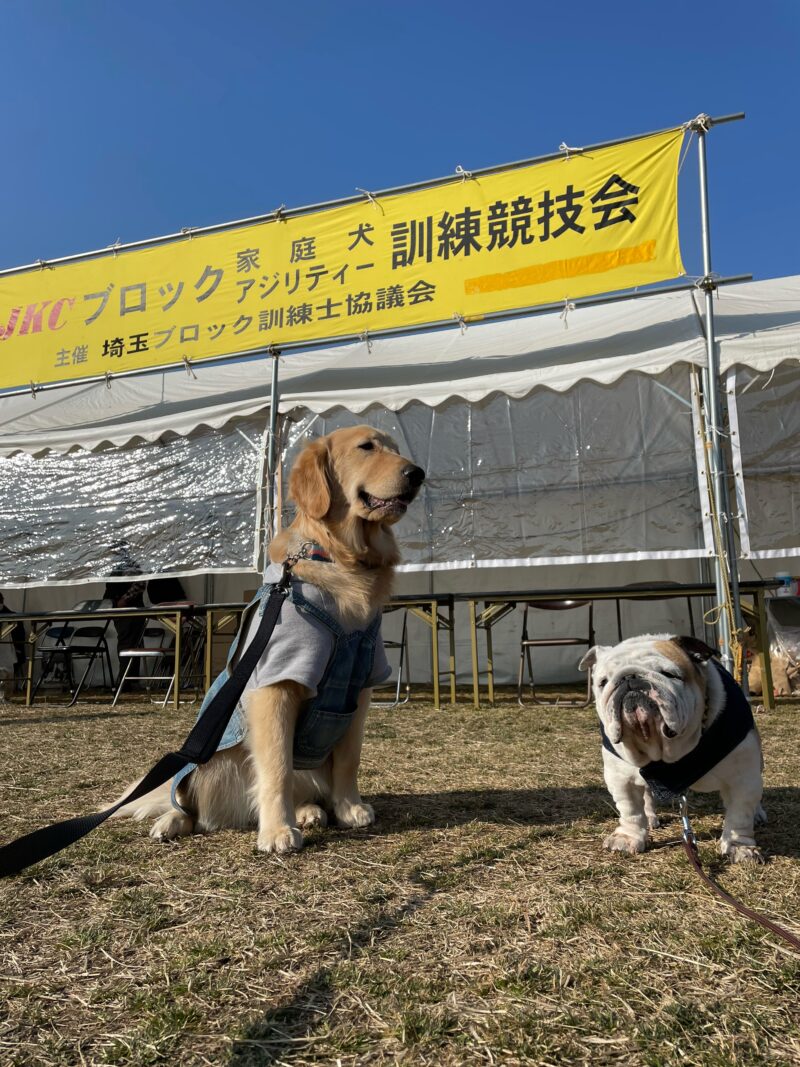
{"points": [[199, 747], [690, 844]]}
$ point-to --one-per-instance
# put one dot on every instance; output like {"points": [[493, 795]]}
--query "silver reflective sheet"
{"points": [[180, 505], [596, 471], [769, 438]]}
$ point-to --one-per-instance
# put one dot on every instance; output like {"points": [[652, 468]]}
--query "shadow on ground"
{"points": [[288, 1029], [399, 812]]}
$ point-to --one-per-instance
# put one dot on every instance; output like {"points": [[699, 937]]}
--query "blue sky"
{"points": [[125, 121]]}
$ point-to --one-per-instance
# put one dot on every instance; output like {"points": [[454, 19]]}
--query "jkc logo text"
{"points": [[35, 318]]}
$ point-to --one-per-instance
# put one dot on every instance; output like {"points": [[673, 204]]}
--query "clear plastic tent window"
{"points": [[598, 472], [180, 505], [765, 417]]}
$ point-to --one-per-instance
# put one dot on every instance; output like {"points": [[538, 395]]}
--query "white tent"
{"points": [[758, 325], [564, 437]]}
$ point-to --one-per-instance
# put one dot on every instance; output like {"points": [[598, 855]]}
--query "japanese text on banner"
{"points": [[592, 222]]}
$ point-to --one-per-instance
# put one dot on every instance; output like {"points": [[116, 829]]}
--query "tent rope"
{"points": [[713, 615], [686, 148]]}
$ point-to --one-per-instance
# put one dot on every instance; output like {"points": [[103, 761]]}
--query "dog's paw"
{"points": [[170, 825], [622, 841], [280, 840], [354, 815], [308, 816], [741, 853]]}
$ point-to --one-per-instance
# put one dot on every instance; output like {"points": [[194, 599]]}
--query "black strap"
{"points": [[199, 747]]}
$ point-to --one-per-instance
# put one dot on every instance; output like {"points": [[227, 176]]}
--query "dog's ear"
{"points": [[590, 658], [309, 482], [696, 649]]}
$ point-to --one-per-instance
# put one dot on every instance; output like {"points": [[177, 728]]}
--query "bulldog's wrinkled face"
{"points": [[651, 694]]}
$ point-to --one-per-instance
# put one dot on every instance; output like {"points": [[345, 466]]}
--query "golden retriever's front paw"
{"points": [[741, 853], [622, 841], [307, 816], [353, 815], [170, 825], [281, 840]]}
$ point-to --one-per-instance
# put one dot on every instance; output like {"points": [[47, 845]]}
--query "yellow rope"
{"points": [[712, 616]]}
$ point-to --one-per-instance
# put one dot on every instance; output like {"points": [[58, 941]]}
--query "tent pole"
{"points": [[712, 403], [272, 449]]}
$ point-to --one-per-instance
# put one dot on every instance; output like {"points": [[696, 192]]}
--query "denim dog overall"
{"points": [[325, 718]]}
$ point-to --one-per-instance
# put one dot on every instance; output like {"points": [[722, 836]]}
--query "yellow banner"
{"points": [[593, 222]]}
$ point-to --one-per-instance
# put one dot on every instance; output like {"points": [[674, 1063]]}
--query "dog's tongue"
{"points": [[394, 503]]}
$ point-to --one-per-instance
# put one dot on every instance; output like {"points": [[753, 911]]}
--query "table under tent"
{"points": [[562, 449]]}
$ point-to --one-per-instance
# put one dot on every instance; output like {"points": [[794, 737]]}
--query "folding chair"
{"points": [[527, 643], [158, 655], [405, 660], [90, 643], [55, 658], [193, 653]]}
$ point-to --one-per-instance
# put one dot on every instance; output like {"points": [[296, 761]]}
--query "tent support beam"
{"points": [[713, 411], [272, 454]]}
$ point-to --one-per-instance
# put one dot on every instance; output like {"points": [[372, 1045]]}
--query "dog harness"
{"points": [[729, 729], [306, 626]]}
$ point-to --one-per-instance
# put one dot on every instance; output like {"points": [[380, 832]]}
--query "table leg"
{"points": [[767, 691], [490, 661], [437, 703], [452, 657], [473, 642], [209, 639], [29, 679], [177, 662]]}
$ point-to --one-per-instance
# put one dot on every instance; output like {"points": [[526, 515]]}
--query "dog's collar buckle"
{"points": [[309, 550]]}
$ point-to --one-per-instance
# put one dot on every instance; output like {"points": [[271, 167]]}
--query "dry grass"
{"points": [[478, 922]]}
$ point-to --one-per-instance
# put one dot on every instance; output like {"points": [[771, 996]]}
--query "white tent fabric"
{"points": [[91, 414], [758, 324], [597, 473], [765, 447]]}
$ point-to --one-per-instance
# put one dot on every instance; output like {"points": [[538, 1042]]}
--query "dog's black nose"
{"points": [[415, 475], [635, 683]]}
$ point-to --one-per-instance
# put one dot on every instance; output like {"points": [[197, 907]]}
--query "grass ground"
{"points": [[479, 920]]}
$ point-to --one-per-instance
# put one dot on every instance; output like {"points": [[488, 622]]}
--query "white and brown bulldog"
{"points": [[672, 719]]}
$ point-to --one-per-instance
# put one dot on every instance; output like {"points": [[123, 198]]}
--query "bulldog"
{"points": [[672, 718]]}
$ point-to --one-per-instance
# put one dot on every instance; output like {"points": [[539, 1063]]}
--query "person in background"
{"points": [[130, 631], [166, 591]]}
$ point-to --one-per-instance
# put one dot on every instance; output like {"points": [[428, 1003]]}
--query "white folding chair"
{"points": [[158, 655]]}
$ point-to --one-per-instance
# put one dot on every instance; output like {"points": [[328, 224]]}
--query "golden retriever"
{"points": [[350, 487]]}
